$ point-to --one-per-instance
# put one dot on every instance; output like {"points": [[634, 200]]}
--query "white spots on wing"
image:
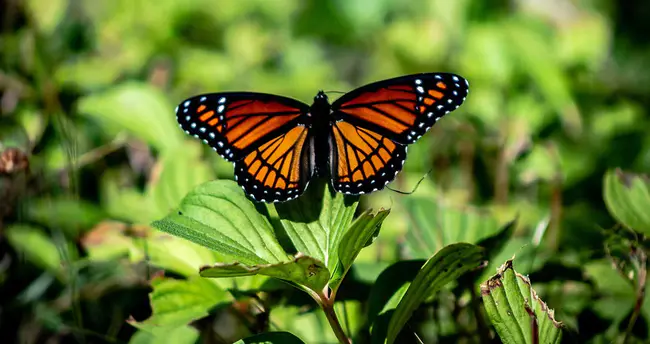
{"points": [[455, 93], [420, 89], [359, 185], [446, 112], [205, 141], [185, 110], [413, 133], [430, 114], [214, 149], [455, 78], [187, 118], [220, 144], [421, 124], [187, 103], [222, 100], [440, 107], [211, 135], [227, 150], [457, 85], [193, 125], [202, 99], [187, 132], [450, 100], [176, 109], [437, 119], [221, 108], [196, 136], [418, 81], [202, 129]]}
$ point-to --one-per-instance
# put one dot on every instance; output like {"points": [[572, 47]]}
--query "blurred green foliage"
{"points": [[559, 97]]}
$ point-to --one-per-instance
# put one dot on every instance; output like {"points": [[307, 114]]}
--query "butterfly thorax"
{"points": [[319, 113]]}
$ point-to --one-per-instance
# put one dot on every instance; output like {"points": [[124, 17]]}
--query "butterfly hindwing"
{"points": [[279, 169], [235, 123], [403, 108], [362, 160]]}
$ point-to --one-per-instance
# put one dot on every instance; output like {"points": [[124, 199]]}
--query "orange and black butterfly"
{"points": [[359, 142]]}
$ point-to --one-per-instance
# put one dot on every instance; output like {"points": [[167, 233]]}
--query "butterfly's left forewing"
{"points": [[262, 134]]}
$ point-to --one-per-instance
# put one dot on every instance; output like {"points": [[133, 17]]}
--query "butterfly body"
{"points": [[278, 144]]}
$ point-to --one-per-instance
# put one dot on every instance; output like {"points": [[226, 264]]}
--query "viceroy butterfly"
{"points": [[277, 144]]}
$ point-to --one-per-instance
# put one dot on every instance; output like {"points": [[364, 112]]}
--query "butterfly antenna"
{"points": [[414, 188]]}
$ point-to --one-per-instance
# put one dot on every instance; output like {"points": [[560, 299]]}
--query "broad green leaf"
{"points": [[67, 214], [445, 266], [360, 234], [125, 203], [390, 286], [433, 225], [627, 197], [178, 335], [139, 108], [218, 215], [36, 247], [176, 303], [178, 172], [515, 310], [302, 269], [271, 338], [315, 222], [47, 14]]}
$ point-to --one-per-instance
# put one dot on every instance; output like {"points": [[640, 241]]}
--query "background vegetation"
{"points": [[92, 155]]}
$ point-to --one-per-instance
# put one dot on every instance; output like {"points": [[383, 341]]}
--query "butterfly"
{"points": [[278, 144]]}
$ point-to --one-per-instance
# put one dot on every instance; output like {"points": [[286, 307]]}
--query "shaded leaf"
{"points": [[271, 338], [516, 312], [360, 234], [176, 303], [302, 269], [36, 247], [391, 284], [627, 197], [445, 266], [433, 226], [67, 214], [315, 222]]}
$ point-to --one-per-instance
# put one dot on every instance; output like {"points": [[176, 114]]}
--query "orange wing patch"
{"points": [[275, 167], [365, 159]]}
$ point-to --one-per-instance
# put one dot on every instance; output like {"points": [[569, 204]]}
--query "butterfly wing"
{"points": [[236, 123], [280, 169], [262, 134], [375, 123]]}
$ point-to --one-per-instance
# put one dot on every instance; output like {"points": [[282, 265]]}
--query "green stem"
{"points": [[327, 304]]}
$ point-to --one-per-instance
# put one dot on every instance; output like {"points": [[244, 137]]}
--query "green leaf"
{"points": [[176, 303], [139, 108], [47, 14], [178, 335], [516, 312], [433, 225], [315, 222], [390, 286], [360, 234], [627, 197], [271, 338], [67, 214], [180, 170], [445, 266], [36, 247], [302, 269], [218, 215]]}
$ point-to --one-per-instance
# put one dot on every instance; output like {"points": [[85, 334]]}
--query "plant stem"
{"points": [[328, 307]]}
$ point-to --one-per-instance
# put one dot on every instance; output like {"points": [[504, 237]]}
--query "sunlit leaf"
{"points": [[218, 215], [627, 197], [175, 303], [515, 310], [360, 234], [445, 266], [139, 108], [177, 335]]}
